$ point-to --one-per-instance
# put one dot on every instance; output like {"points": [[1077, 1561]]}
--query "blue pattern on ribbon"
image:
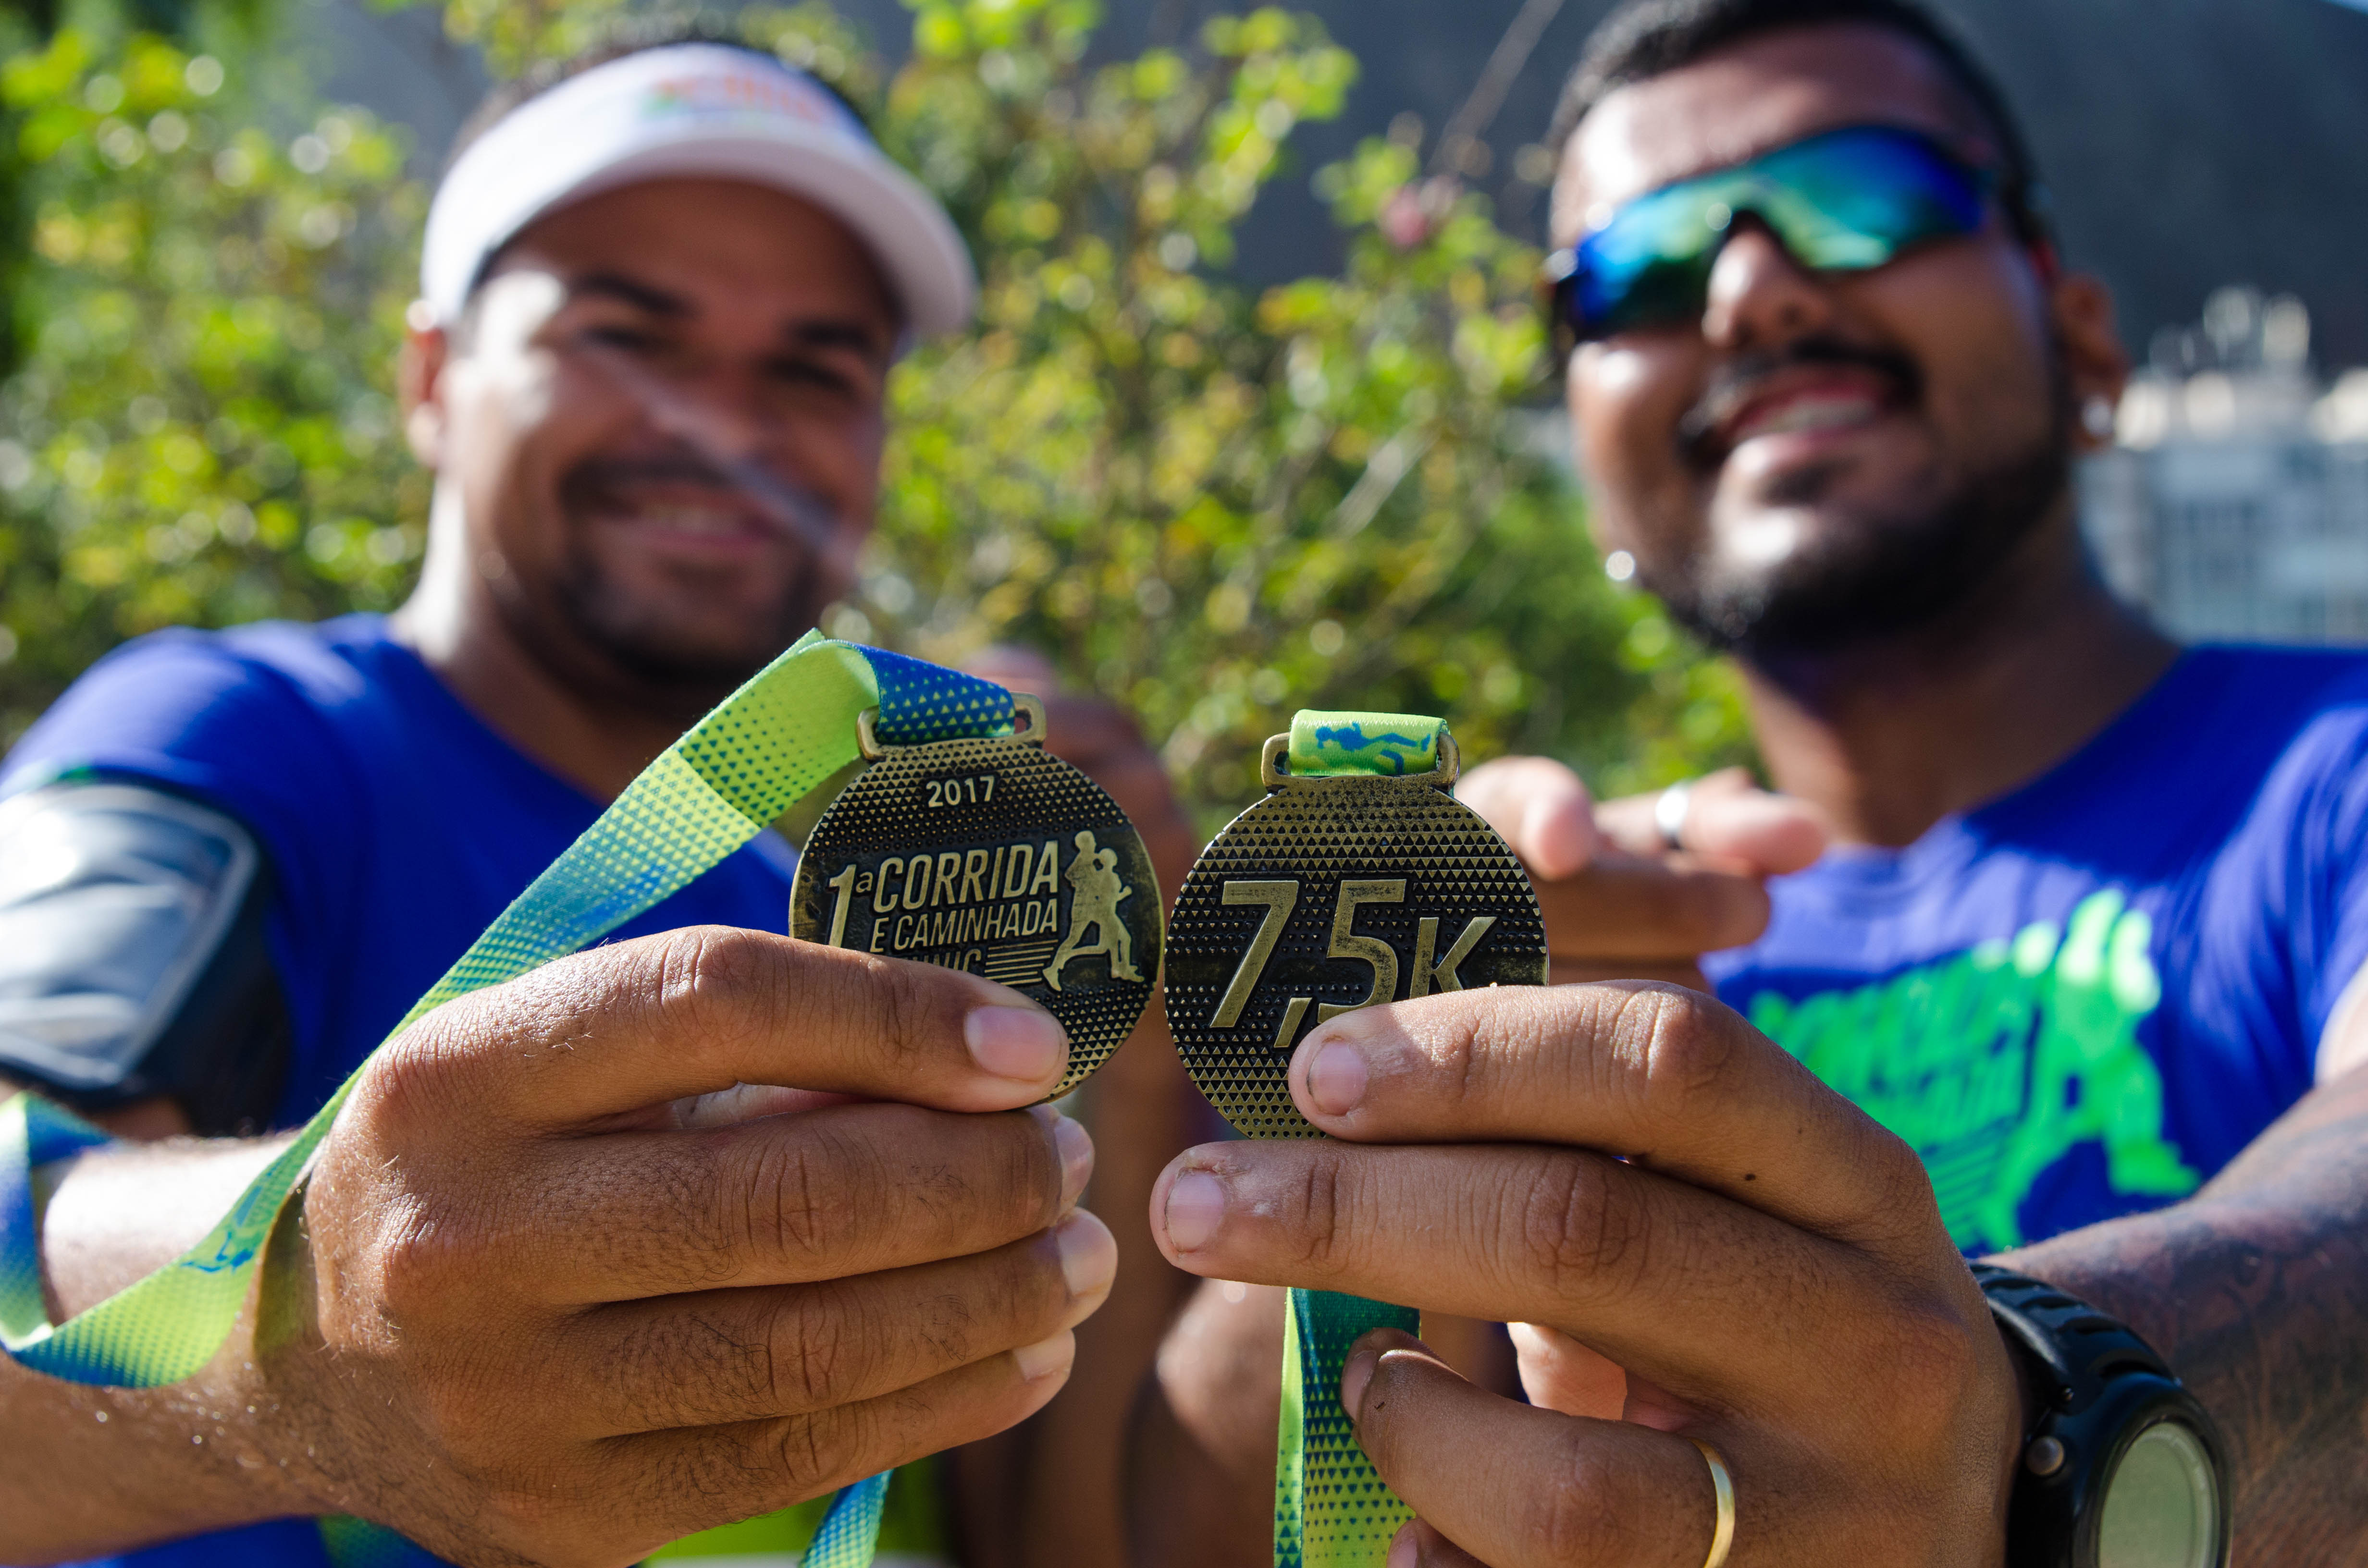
{"points": [[848, 1537], [1352, 737], [921, 702], [356, 1543], [850, 1531], [33, 1132]]}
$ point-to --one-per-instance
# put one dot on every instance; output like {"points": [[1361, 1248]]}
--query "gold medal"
{"points": [[1336, 891], [993, 856]]}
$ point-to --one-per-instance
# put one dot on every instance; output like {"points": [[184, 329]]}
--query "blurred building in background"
{"points": [[2235, 503]]}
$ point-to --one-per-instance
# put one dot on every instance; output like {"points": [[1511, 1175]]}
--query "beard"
{"points": [[1874, 575], [656, 650]]}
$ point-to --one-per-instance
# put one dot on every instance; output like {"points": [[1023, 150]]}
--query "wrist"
{"points": [[96, 1471], [118, 1213], [297, 1377], [212, 1451]]}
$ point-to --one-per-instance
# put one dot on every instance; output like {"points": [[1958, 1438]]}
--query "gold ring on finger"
{"points": [[1721, 1535]]}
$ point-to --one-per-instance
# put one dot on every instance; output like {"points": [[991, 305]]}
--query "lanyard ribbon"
{"points": [[1330, 1509], [730, 776]]}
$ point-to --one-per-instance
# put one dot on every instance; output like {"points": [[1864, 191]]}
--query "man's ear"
{"points": [[2094, 362], [419, 380]]}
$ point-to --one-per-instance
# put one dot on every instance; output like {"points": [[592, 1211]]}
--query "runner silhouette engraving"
{"points": [[1095, 891]]}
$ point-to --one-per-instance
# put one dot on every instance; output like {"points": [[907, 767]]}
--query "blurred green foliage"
{"points": [[1215, 504], [200, 429]]}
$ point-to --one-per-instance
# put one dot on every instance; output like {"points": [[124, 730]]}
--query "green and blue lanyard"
{"points": [[1331, 1510]]}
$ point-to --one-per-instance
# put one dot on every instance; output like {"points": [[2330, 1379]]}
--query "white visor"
{"points": [[693, 110]]}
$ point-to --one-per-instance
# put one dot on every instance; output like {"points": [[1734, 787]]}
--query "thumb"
{"points": [[1559, 1373], [1540, 808]]}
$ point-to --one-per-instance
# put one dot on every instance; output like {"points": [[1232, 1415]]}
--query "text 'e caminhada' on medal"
{"points": [[988, 854]]}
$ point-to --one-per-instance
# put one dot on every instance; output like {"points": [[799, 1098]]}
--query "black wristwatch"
{"points": [[2122, 1468]]}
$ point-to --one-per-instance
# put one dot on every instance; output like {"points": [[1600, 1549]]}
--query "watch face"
{"points": [[2162, 1505]]}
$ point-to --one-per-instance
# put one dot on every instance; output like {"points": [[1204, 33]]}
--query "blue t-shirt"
{"points": [[397, 827], [2083, 999]]}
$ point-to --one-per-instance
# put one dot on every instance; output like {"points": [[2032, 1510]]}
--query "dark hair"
{"points": [[1645, 39], [629, 36]]}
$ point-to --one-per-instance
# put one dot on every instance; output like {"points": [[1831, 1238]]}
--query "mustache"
{"points": [[1737, 380], [800, 513], [694, 456]]}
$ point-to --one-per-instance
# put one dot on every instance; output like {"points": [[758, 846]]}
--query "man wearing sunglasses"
{"points": [[2077, 982]]}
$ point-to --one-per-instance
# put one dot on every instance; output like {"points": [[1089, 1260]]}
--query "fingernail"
{"points": [[1404, 1551], [1089, 1254], [1073, 1145], [1196, 1207], [1353, 1378], [1076, 1147], [1336, 1078], [1025, 1043], [1046, 1357]]}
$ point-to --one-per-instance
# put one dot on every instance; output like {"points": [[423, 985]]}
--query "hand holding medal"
{"points": [[1010, 862], [1694, 1232], [1359, 881]]}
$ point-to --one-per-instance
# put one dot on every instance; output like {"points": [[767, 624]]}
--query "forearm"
{"points": [[88, 1470], [1046, 1494], [1200, 1474], [2256, 1289]]}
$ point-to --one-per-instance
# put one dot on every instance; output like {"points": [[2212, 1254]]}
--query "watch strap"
{"points": [[2076, 1347], [2101, 1386]]}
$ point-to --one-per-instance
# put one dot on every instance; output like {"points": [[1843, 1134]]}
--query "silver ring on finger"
{"points": [[1670, 810]]}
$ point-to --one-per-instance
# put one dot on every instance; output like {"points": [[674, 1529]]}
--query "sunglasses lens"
{"points": [[1847, 199], [1857, 198]]}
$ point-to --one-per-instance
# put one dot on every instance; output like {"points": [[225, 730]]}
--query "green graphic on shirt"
{"points": [[1998, 1062]]}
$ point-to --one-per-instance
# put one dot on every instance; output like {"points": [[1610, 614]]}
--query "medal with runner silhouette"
{"points": [[991, 855]]}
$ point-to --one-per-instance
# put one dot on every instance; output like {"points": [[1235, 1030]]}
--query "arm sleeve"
{"points": [[132, 960]]}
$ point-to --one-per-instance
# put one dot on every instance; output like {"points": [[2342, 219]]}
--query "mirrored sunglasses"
{"points": [[1842, 201]]}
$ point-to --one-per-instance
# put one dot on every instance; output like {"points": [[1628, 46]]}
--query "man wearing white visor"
{"points": [[561, 1289]]}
